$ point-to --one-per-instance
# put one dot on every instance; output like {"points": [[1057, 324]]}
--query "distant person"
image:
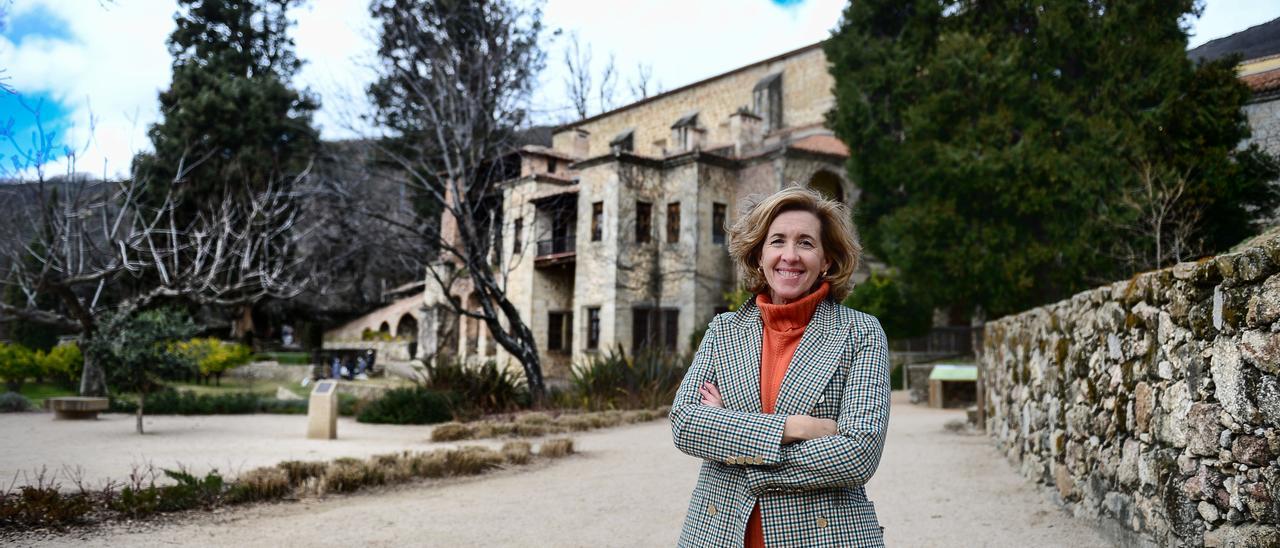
{"points": [[787, 399]]}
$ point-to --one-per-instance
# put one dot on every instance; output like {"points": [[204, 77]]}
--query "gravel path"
{"points": [[627, 487]]}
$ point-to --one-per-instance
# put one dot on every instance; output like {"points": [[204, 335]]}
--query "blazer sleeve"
{"points": [[849, 458], [713, 433]]}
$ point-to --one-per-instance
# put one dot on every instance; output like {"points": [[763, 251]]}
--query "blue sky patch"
{"points": [[787, 3], [38, 21], [32, 131]]}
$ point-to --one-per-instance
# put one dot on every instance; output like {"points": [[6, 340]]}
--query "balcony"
{"points": [[559, 250]]}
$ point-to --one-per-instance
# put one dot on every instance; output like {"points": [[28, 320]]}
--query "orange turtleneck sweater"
{"points": [[783, 326]]}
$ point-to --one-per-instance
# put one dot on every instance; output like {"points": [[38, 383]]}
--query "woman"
{"points": [[787, 399]]}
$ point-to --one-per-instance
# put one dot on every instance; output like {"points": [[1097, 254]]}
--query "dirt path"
{"points": [[630, 487]]}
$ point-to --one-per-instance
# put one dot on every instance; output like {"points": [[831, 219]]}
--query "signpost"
{"points": [[322, 411]]}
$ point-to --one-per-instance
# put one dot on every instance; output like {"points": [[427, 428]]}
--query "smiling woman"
{"points": [[787, 399]]}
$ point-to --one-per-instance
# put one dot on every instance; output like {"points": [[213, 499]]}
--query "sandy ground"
{"points": [[627, 487]]}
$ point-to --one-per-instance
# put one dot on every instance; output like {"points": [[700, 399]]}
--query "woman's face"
{"points": [[792, 258]]}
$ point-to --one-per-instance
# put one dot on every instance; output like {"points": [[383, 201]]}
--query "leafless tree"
{"points": [[643, 79], [454, 79], [1162, 227], [577, 82], [608, 84], [81, 240]]}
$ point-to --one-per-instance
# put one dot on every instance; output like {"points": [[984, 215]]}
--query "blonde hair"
{"points": [[840, 243]]}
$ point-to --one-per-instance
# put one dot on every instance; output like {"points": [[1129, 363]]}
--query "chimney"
{"points": [[745, 130], [581, 143]]}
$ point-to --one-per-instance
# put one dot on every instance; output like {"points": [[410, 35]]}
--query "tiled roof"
{"points": [[822, 144], [1263, 82]]}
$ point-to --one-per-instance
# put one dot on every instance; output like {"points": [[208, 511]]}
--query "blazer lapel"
{"points": [[815, 361], [738, 365]]}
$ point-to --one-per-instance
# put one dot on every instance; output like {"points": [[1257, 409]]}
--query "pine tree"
{"points": [[232, 122], [1002, 145]]}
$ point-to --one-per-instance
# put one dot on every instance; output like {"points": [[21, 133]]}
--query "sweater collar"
{"points": [[793, 315]]}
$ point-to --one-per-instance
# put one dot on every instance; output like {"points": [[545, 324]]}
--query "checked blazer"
{"points": [[810, 493]]}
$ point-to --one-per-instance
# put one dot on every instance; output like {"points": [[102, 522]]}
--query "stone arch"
{"points": [[385, 328], [407, 327], [828, 184]]}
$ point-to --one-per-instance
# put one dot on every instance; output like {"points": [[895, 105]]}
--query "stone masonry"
{"points": [[1152, 403]]}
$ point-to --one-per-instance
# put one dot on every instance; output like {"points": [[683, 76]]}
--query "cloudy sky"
{"points": [[92, 68]]}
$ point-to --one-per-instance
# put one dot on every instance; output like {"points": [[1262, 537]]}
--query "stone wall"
{"points": [[1151, 403], [1264, 123]]}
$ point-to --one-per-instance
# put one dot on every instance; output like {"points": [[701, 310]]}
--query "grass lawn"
{"points": [[284, 358], [238, 386], [38, 392]]}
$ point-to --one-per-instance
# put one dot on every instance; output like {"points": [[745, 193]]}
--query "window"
{"points": [[559, 331], [654, 328], [551, 165], [683, 132], [767, 96], [597, 221], [593, 328], [519, 235], [624, 142], [717, 223], [673, 222], [644, 222]]}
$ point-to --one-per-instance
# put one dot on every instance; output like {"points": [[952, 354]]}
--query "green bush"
{"points": [[17, 364], [174, 402], [13, 402], [212, 356], [479, 390], [63, 363], [616, 381], [188, 492], [284, 358], [901, 313], [415, 405], [42, 505]]}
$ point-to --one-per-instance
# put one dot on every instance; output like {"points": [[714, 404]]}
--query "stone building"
{"points": [[1259, 68], [614, 235]]}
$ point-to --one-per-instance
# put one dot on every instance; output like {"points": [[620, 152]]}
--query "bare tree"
{"points": [[577, 82], [608, 84], [82, 240], [1161, 226], [454, 79], [640, 84]]}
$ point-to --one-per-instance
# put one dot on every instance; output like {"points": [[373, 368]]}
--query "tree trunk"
{"points": [[142, 399], [93, 381]]}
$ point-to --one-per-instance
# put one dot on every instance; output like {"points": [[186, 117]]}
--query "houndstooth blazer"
{"points": [[810, 493]]}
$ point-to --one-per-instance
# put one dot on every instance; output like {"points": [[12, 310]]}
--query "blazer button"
{"points": [[730, 461], [759, 460], [711, 509], [822, 522]]}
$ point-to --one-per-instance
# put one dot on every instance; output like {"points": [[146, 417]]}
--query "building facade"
{"points": [[615, 235]]}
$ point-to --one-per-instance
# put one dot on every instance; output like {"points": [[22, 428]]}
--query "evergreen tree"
{"points": [[1012, 153], [232, 123]]}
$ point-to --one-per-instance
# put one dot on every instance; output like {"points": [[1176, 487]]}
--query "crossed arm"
{"points": [[798, 452]]}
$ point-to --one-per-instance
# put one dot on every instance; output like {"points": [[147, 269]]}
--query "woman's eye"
{"points": [[806, 243]]}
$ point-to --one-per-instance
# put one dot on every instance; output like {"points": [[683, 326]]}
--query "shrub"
{"points": [[517, 452], [188, 492], [347, 474], [266, 483], [901, 312], [470, 461], [42, 506], [556, 448], [480, 390], [616, 381], [414, 405], [13, 402], [299, 471], [174, 402], [211, 356], [451, 431], [63, 363], [17, 364]]}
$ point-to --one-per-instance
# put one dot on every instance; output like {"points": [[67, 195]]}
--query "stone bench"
{"points": [[76, 407]]}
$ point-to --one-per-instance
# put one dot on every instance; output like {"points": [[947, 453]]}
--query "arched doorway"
{"points": [[827, 184], [407, 330]]}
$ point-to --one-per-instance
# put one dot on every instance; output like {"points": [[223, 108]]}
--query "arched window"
{"points": [[827, 184], [407, 328]]}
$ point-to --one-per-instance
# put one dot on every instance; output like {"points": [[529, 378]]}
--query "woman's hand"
{"points": [[711, 395], [805, 428]]}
